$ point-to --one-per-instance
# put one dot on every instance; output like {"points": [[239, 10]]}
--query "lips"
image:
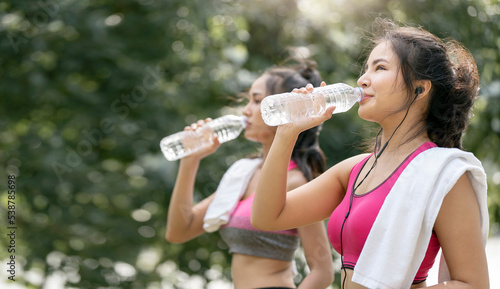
{"points": [[366, 96]]}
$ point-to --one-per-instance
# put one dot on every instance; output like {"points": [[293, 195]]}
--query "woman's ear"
{"points": [[423, 88]]}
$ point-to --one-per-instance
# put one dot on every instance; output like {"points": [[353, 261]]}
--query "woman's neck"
{"points": [[402, 143], [265, 150], [402, 134]]}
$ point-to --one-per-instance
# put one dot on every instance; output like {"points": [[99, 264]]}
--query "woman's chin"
{"points": [[261, 137], [364, 114], [250, 137]]}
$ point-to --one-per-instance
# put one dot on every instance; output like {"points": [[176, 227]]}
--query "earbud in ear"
{"points": [[418, 90]]}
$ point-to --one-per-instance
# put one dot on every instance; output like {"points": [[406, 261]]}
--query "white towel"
{"points": [[398, 240], [229, 192]]}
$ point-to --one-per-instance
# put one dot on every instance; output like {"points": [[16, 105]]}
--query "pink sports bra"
{"points": [[364, 210], [243, 238]]}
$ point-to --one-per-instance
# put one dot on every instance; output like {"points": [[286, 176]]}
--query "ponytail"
{"points": [[450, 106]]}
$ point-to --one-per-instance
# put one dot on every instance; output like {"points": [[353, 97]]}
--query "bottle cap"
{"points": [[244, 121], [359, 93]]}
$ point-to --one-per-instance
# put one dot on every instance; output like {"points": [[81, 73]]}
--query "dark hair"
{"points": [[306, 152], [449, 67]]}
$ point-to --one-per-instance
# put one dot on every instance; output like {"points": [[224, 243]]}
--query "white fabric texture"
{"points": [[229, 192], [398, 240]]}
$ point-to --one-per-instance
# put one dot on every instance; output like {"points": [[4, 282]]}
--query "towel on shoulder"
{"points": [[401, 232], [229, 192]]}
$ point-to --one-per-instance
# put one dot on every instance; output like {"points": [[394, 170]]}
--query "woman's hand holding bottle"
{"points": [[299, 126], [204, 151]]}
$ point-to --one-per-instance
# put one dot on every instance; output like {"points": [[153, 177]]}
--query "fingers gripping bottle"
{"points": [[184, 143], [290, 107]]}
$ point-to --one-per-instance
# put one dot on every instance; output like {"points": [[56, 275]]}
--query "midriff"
{"points": [[249, 272]]}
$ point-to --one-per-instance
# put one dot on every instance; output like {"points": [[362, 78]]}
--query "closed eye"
{"points": [[378, 64], [378, 67]]}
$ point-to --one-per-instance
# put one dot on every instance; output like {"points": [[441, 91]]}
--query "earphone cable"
{"points": [[377, 155]]}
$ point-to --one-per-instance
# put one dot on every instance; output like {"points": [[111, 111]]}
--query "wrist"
{"points": [[288, 133], [190, 161]]}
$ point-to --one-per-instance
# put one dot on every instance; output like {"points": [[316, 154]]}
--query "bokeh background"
{"points": [[89, 88]]}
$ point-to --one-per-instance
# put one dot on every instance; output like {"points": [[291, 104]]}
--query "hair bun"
{"points": [[307, 69]]}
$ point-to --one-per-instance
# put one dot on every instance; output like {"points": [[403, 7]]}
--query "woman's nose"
{"points": [[363, 81], [246, 110]]}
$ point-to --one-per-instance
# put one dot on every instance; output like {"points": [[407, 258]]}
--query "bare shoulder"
{"points": [[459, 232], [460, 201], [348, 164], [341, 171]]}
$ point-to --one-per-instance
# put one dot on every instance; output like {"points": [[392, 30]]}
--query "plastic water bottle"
{"points": [[184, 143], [290, 107]]}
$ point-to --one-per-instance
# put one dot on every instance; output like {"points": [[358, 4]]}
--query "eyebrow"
{"points": [[255, 94], [378, 60]]}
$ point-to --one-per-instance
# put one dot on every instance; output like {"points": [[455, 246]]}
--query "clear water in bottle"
{"points": [[290, 107], [184, 143]]}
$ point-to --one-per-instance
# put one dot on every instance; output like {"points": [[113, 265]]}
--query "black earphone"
{"points": [[418, 91]]}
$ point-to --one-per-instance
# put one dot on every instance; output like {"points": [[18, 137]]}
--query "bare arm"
{"points": [[318, 256], [459, 233], [273, 208], [185, 221], [314, 241]]}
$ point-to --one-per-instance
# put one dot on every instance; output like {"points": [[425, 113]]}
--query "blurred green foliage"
{"points": [[90, 87]]}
